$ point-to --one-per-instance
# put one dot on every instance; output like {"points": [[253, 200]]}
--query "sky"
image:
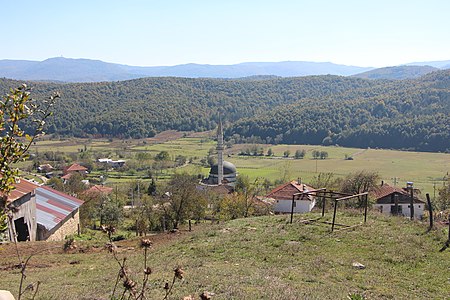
{"points": [[369, 33]]}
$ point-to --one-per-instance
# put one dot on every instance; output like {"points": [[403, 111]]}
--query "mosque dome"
{"points": [[228, 168]]}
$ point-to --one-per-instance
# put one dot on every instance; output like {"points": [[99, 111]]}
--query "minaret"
{"points": [[219, 152]]}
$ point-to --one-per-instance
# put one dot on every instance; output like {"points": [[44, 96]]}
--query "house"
{"points": [[283, 194], [387, 196], [99, 189], [23, 209], [57, 214], [113, 163], [75, 168], [45, 168]]}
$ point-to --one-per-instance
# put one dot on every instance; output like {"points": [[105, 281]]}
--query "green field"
{"points": [[255, 258], [423, 168]]}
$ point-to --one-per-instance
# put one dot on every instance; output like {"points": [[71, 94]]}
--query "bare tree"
{"points": [[359, 182]]}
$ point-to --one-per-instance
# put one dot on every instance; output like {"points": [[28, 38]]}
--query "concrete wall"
{"points": [[301, 206], [386, 209], [67, 227]]}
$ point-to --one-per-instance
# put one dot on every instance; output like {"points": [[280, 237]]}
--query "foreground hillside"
{"points": [[260, 258], [353, 112]]}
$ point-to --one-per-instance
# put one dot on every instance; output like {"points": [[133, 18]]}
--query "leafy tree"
{"points": [[180, 160], [247, 191], [323, 154], [184, 199], [443, 200], [74, 184], [270, 152], [151, 191], [111, 212], [299, 153], [56, 183], [232, 207], [15, 108], [142, 215], [162, 156], [286, 153], [316, 154]]}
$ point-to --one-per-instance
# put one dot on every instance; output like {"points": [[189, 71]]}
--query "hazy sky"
{"points": [[169, 32]]}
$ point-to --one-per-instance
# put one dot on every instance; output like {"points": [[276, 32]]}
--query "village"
{"points": [[83, 210], [45, 213], [221, 150]]}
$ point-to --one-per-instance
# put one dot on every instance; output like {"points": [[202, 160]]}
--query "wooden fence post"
{"points": [[190, 228], [323, 205], [430, 211], [292, 207], [411, 206], [334, 214], [365, 207]]}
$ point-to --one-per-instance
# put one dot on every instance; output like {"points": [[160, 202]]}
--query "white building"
{"points": [[282, 196], [387, 198]]}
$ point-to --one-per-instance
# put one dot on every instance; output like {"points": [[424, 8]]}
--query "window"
{"points": [[399, 211]]}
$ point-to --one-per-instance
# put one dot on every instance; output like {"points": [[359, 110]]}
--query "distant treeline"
{"points": [[407, 114]]}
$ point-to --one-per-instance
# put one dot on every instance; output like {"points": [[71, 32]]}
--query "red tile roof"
{"points": [[385, 190], [67, 176], [75, 168], [100, 189], [22, 187], [287, 190]]}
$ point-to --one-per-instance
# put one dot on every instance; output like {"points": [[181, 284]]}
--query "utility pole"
{"points": [[434, 191], [395, 179], [411, 205]]}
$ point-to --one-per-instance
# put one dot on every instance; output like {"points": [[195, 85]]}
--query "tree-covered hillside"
{"points": [[317, 109], [399, 72]]}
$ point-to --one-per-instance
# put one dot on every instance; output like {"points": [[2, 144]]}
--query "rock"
{"points": [[206, 295], [358, 265], [6, 295], [293, 242]]}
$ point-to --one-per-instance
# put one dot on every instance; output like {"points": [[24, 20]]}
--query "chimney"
{"points": [[382, 182], [299, 180]]}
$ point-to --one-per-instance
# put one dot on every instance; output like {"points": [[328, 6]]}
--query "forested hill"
{"points": [[406, 114], [413, 114], [399, 72]]}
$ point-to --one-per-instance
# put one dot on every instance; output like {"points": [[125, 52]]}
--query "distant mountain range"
{"points": [[398, 73], [86, 70]]}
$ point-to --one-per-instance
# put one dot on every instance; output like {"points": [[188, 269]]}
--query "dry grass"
{"points": [[264, 258]]}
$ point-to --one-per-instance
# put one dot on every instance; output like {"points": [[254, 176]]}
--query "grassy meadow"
{"points": [[255, 258]]}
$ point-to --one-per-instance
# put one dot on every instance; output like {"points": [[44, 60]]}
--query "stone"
{"points": [[6, 295], [358, 265]]}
